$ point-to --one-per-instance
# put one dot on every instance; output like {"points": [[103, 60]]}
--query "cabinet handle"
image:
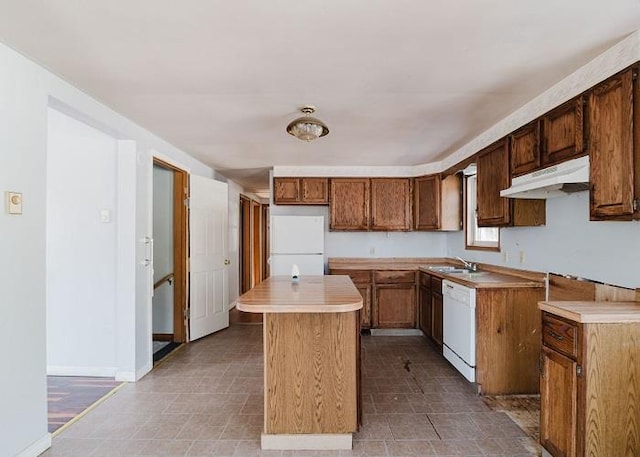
{"points": [[555, 335]]}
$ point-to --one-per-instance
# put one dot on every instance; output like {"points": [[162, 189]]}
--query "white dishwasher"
{"points": [[459, 327]]}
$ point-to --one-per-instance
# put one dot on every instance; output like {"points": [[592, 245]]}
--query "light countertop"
{"points": [[311, 294], [600, 312]]}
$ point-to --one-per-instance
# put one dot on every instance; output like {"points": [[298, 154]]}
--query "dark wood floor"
{"points": [[69, 396]]}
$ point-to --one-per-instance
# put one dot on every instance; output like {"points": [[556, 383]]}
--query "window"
{"points": [[486, 238]]}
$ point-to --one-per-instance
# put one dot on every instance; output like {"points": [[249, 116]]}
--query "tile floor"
{"points": [[206, 400]]}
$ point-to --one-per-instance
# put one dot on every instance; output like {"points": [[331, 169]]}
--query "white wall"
{"points": [[23, 135], [26, 92], [234, 241], [162, 248], [81, 248], [568, 244]]}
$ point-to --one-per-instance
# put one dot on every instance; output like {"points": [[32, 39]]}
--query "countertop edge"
{"points": [[310, 309]]}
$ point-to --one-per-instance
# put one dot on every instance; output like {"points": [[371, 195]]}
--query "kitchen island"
{"points": [[311, 352]]}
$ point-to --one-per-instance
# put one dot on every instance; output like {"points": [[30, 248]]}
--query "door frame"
{"points": [[180, 249]]}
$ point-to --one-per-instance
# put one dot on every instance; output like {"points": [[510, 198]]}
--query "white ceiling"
{"points": [[399, 82]]}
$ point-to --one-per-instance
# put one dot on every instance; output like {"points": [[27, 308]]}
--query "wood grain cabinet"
{"points": [[394, 299], [349, 206], [390, 204], [589, 388], [362, 280], [563, 133], [300, 191], [430, 307], [525, 149], [493, 176], [614, 152], [437, 202]]}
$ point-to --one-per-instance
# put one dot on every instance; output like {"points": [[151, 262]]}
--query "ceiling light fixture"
{"points": [[307, 128]]}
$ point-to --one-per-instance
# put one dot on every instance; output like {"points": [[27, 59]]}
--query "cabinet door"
{"points": [[525, 149], [286, 190], [563, 132], [425, 312], [349, 205], [558, 404], [493, 176], [611, 148], [395, 306], [436, 303], [427, 202], [365, 312], [315, 191], [390, 204]]}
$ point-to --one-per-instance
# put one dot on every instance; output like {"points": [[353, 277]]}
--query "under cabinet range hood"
{"points": [[566, 177]]}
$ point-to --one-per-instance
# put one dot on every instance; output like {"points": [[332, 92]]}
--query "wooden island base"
{"points": [[311, 343]]}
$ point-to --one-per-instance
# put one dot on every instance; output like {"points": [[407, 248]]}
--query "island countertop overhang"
{"points": [[309, 294]]}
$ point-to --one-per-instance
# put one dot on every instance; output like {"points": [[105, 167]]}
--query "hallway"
{"points": [[206, 400]]}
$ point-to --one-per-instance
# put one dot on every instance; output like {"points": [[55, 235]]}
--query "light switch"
{"points": [[105, 216], [13, 202]]}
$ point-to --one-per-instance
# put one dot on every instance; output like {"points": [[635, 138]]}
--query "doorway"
{"points": [[254, 243], [170, 229]]}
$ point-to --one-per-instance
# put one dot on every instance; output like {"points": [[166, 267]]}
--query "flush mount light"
{"points": [[307, 128]]}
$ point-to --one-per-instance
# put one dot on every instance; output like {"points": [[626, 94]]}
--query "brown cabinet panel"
{"points": [[496, 211], [612, 154], [357, 276], [349, 204], [558, 404], [525, 149], [437, 202], [425, 312], [493, 176], [315, 191], [563, 132], [286, 190], [390, 204], [560, 335], [300, 191], [365, 312], [395, 306], [394, 277], [436, 303]]}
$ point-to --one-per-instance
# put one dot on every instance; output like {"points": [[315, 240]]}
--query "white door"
{"points": [[208, 272]]}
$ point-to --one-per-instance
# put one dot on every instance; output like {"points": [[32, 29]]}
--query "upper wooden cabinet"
{"points": [[391, 204], [525, 149], [437, 203], [300, 191], [562, 132], [349, 208], [493, 176], [614, 113]]}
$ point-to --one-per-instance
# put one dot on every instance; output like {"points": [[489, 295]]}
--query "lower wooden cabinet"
{"points": [[590, 388], [362, 280], [430, 307], [395, 306]]}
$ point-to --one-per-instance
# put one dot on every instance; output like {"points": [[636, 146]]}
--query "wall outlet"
{"points": [[521, 256], [13, 202], [505, 256], [372, 250]]}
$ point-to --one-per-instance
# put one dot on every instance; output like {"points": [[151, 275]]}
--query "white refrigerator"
{"points": [[297, 240]]}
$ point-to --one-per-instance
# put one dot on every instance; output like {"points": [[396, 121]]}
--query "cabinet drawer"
{"points": [[357, 276], [425, 280], [436, 284], [394, 277], [560, 335]]}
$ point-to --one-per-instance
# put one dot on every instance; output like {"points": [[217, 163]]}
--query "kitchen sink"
{"points": [[449, 269]]}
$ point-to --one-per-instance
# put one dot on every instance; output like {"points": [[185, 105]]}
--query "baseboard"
{"points": [[396, 332], [37, 448], [163, 337], [143, 371], [101, 372]]}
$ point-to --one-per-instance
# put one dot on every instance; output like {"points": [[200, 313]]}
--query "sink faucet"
{"points": [[471, 266]]}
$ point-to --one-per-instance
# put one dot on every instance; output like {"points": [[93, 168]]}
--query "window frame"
{"points": [[471, 217]]}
